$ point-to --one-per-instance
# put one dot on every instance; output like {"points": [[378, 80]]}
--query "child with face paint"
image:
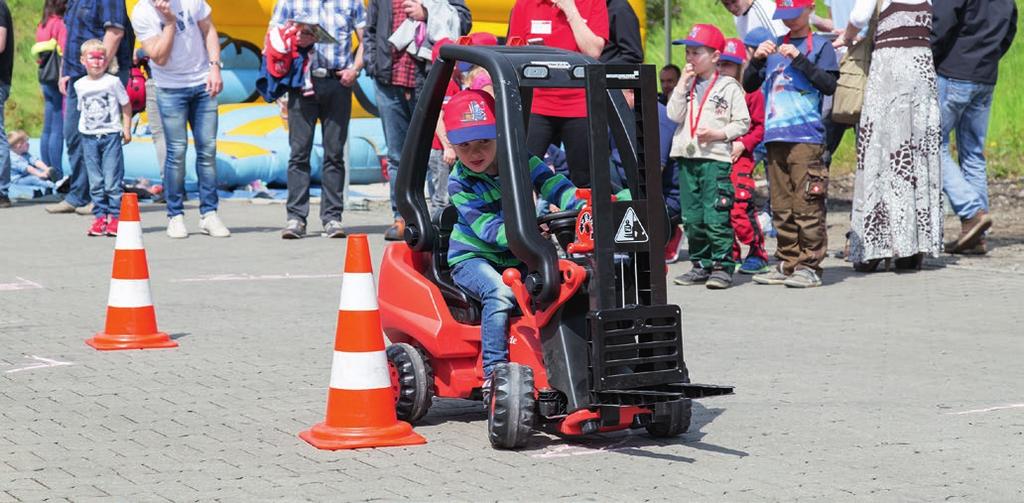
{"points": [[104, 124]]}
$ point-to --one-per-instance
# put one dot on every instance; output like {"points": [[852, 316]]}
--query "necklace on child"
{"points": [[810, 42], [691, 149]]}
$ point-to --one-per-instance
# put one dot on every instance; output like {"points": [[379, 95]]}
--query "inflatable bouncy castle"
{"points": [[252, 142]]}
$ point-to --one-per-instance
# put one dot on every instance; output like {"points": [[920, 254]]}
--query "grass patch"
{"points": [[1006, 125]]}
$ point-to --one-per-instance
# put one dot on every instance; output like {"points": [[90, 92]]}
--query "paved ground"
{"points": [[882, 387]]}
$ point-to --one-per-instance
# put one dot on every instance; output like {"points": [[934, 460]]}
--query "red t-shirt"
{"points": [[533, 19], [452, 90]]}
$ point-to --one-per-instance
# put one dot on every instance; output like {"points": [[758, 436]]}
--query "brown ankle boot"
{"points": [[396, 232], [972, 230]]}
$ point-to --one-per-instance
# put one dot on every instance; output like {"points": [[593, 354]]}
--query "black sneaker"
{"points": [[719, 280], [697, 276], [5, 202], [294, 229]]}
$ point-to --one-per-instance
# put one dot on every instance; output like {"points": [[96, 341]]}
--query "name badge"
{"points": [[540, 27]]}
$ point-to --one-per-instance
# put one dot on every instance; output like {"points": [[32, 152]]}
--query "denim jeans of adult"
{"points": [[437, 181], [396, 105], [964, 108], [5, 149], [331, 104], [51, 142], [181, 109], [104, 163], [478, 277]]}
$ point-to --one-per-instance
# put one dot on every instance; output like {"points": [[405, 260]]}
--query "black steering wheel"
{"points": [[558, 219]]}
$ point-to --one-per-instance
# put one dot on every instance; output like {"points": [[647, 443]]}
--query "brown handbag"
{"points": [[853, 76]]}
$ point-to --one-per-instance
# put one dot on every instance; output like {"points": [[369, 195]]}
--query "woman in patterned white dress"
{"points": [[897, 206]]}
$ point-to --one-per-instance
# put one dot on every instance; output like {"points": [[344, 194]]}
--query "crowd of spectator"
{"points": [[932, 74]]}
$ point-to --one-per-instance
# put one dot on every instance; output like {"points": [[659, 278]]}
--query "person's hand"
{"points": [[688, 74], [567, 6], [767, 48], [708, 135], [789, 50], [737, 150], [840, 40], [214, 84], [348, 77], [304, 36], [163, 7], [414, 9], [62, 85], [449, 156], [126, 135]]}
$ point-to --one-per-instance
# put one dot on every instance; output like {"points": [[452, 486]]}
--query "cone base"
{"points": [[108, 342], [332, 438]]}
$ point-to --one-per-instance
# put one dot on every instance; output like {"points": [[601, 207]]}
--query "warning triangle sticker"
{"points": [[630, 230]]}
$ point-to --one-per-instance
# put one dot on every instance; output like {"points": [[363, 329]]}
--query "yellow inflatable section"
{"points": [[246, 21]]}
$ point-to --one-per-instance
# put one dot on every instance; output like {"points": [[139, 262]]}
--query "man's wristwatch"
{"points": [[218, 64]]}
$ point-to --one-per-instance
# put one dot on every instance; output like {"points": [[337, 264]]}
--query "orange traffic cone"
{"points": [[131, 320], [360, 402]]}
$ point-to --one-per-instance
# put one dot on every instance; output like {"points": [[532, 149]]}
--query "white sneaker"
{"points": [[176, 227], [210, 224]]}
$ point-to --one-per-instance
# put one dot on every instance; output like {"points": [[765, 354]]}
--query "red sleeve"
{"points": [[755, 105], [597, 17], [516, 22]]}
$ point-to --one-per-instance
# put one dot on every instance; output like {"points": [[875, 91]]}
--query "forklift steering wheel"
{"points": [[558, 219]]}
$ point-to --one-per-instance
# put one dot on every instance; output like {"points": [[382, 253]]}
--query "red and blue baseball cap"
{"points": [[704, 35], [791, 9], [469, 116], [734, 52]]}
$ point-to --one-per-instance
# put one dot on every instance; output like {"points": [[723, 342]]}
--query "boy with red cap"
{"points": [[711, 113], [742, 215], [478, 250], [799, 72]]}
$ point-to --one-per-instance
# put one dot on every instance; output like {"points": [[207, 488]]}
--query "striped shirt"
{"points": [[480, 230], [760, 14], [339, 18]]}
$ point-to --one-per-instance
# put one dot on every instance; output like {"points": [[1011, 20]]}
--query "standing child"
{"points": [[798, 73], [478, 251], [743, 215], [711, 112], [105, 124]]}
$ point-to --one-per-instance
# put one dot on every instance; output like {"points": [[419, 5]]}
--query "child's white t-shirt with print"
{"points": [[188, 64], [100, 101]]}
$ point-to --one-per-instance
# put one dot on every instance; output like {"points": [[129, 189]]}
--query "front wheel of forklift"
{"points": [[674, 423], [512, 409]]}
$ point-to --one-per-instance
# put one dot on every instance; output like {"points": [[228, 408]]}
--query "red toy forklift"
{"points": [[595, 346]]}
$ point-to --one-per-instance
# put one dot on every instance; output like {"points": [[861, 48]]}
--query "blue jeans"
{"points": [[51, 144], [478, 277], [5, 149], [395, 115], [104, 162], [964, 107], [180, 109]]}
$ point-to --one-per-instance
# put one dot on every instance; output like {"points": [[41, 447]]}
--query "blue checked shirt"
{"points": [[340, 18], [88, 19]]}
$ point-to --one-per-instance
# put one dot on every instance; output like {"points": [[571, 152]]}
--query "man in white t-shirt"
{"points": [[751, 14], [184, 51]]}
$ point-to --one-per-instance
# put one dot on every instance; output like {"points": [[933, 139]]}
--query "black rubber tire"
{"points": [[512, 410], [675, 424], [415, 390]]}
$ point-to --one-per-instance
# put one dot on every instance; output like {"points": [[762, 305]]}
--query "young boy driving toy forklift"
{"points": [[478, 251]]}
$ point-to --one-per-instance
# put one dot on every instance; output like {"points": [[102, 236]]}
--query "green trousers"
{"points": [[706, 196]]}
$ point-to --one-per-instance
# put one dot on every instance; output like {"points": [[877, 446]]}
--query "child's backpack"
{"points": [[137, 90]]}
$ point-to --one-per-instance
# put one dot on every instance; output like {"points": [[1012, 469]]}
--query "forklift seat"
{"points": [[463, 307]]}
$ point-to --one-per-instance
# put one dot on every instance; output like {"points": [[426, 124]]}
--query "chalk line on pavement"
{"points": [[21, 284], [990, 409], [41, 363]]}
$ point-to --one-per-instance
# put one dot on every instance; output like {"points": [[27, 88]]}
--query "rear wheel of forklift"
{"points": [[412, 380], [674, 423], [512, 409]]}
